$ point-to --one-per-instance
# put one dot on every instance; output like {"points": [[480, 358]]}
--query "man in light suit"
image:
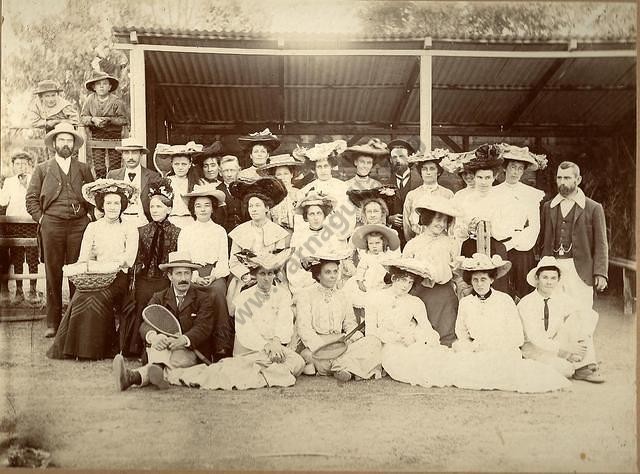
{"points": [[404, 179], [54, 200], [139, 176], [574, 231]]}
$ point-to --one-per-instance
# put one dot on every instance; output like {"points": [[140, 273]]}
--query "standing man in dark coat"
{"points": [[54, 200], [404, 179], [136, 174], [575, 233]]}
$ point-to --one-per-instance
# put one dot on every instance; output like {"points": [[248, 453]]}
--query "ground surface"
{"points": [[72, 409]]}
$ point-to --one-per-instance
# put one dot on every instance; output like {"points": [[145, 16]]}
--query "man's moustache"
{"points": [[183, 282]]}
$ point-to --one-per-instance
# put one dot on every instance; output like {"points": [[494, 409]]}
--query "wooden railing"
{"points": [[627, 288]]}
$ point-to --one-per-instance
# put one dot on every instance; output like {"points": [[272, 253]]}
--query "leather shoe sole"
{"points": [[49, 333], [119, 373], [156, 377]]}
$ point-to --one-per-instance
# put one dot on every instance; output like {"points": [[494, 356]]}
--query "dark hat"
{"points": [[268, 187], [375, 148], [486, 157], [265, 138], [215, 150], [100, 76], [163, 189], [401, 144], [359, 196], [47, 86]]}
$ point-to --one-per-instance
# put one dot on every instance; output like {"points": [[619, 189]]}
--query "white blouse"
{"points": [[180, 187], [105, 241], [207, 243], [488, 207], [521, 214], [438, 252]]}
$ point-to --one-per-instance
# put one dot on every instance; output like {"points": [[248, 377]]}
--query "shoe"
{"points": [[124, 377], [50, 332], [156, 377], [309, 369], [589, 373], [342, 375]]}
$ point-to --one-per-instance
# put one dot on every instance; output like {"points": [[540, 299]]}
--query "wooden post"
{"points": [[137, 93], [425, 99]]}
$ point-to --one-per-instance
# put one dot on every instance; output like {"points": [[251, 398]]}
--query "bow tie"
{"points": [[131, 176]]}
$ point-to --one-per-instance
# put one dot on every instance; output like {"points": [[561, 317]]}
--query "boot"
{"points": [[156, 377], [124, 377], [342, 375]]}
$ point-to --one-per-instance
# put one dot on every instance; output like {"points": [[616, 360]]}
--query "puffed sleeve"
{"points": [[88, 241], [304, 315], [222, 263], [131, 245]]}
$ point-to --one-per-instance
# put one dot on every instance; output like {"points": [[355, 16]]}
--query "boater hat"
{"points": [[267, 187], [401, 144], [179, 259], [205, 190], [100, 76], [274, 162], [108, 185], [47, 86], [265, 138], [359, 236], [544, 262], [375, 148], [132, 144], [64, 127], [481, 262]]}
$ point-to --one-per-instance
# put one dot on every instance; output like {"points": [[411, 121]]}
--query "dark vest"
{"points": [[68, 205], [564, 232]]}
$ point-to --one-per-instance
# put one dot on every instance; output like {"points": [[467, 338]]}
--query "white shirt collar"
{"points": [[404, 175], [579, 198], [137, 170], [64, 163]]}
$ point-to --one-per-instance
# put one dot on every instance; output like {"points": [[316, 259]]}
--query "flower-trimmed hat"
{"points": [[545, 262], [214, 150], [321, 151], [205, 190], [421, 157], [276, 161], [485, 157], [326, 255], [132, 144], [179, 259], [163, 190], [398, 143], [268, 260], [480, 262], [516, 153], [416, 267], [438, 204], [360, 197], [314, 198], [47, 86], [188, 150], [106, 186], [267, 187], [63, 127], [98, 77], [265, 138], [359, 236], [375, 148]]}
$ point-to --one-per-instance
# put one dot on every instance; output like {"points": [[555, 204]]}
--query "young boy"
{"points": [[104, 114], [556, 333], [49, 109]]}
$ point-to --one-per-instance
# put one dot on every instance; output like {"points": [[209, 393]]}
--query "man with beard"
{"points": [[574, 232], [54, 200], [402, 178]]}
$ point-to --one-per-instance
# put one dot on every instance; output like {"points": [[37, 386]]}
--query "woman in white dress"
{"points": [[259, 146]]}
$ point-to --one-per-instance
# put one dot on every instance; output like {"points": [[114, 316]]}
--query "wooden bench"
{"points": [[627, 289]]}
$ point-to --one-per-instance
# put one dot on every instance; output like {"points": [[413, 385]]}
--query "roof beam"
{"points": [[520, 108], [354, 139], [408, 88], [450, 143], [281, 95]]}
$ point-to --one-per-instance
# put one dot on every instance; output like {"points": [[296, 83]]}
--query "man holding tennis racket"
{"points": [[178, 328]]}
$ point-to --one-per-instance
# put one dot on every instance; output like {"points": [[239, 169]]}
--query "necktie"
{"points": [[180, 300], [131, 176], [400, 182], [546, 314]]}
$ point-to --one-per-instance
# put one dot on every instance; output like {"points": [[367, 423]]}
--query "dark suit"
{"points": [[397, 204], [59, 237], [197, 319], [147, 177], [589, 238], [233, 215]]}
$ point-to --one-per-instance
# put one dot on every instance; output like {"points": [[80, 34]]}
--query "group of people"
{"points": [[268, 269]]}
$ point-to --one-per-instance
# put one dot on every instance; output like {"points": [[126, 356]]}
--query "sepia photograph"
{"points": [[318, 235]]}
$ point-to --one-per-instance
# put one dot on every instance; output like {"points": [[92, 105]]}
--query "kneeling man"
{"points": [[558, 331], [194, 311]]}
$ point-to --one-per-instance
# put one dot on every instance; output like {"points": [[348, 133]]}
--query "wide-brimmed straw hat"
{"points": [[215, 150], [416, 267], [375, 148], [188, 150], [205, 190], [100, 76], [63, 127], [481, 262], [276, 161], [268, 261], [485, 157], [423, 156], [265, 138], [315, 198], [108, 185], [398, 143], [179, 259], [522, 154], [326, 255], [320, 151], [132, 144], [438, 204], [268, 187], [545, 262], [47, 86], [359, 236]]}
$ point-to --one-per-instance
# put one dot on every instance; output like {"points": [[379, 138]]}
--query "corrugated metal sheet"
{"points": [[595, 71], [488, 71]]}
